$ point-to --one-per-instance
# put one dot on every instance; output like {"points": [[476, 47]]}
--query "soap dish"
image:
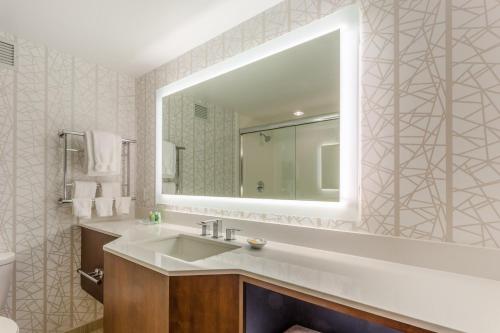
{"points": [[256, 243]]}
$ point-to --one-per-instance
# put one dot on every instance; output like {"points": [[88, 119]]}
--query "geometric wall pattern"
{"points": [[430, 114], [210, 162], [47, 91]]}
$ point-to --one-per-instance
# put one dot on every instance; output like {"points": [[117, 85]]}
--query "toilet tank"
{"points": [[6, 269]]}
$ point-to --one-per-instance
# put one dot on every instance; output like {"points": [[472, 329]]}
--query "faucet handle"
{"points": [[205, 227], [231, 234]]}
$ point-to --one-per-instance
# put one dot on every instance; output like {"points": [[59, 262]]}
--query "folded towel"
{"points": [[300, 329], [104, 206], [111, 189], [122, 205], [169, 188], [103, 153], [169, 160], [84, 189], [82, 208]]}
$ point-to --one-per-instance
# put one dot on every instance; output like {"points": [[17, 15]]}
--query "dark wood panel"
{"points": [[136, 298], [208, 304], [402, 327], [92, 257]]}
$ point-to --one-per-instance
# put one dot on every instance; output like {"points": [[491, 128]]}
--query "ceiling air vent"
{"points": [[6, 54], [200, 111]]}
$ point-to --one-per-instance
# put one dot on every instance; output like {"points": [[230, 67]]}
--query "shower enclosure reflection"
{"points": [[267, 130], [295, 160]]}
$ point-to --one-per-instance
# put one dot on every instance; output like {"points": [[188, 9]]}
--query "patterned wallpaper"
{"points": [[49, 90], [209, 164], [430, 114]]}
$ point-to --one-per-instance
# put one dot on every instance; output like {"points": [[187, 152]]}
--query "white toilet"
{"points": [[6, 267]]}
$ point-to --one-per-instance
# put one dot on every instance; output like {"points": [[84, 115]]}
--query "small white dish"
{"points": [[257, 243]]}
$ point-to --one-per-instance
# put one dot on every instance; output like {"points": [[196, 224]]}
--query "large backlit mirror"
{"points": [[278, 121], [267, 130]]}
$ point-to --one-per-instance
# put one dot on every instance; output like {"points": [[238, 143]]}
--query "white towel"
{"points": [[122, 205], [84, 189], [169, 156], [103, 153], [169, 188], [300, 329], [104, 206], [82, 208], [111, 189]]}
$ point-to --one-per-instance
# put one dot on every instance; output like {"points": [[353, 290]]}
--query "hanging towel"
{"points": [[169, 162], [104, 206], [111, 189], [103, 153], [122, 205], [169, 188], [84, 189], [82, 208]]}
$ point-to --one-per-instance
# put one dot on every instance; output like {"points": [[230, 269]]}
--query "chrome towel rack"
{"points": [[66, 198]]}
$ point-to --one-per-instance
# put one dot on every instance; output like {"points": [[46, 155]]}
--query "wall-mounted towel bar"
{"points": [[66, 198]]}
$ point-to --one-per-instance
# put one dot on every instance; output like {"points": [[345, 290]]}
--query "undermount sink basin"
{"points": [[188, 248]]}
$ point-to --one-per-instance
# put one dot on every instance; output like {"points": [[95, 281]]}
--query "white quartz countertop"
{"points": [[433, 299]]}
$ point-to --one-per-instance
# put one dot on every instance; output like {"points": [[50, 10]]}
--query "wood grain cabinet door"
{"points": [[207, 304], [136, 298]]}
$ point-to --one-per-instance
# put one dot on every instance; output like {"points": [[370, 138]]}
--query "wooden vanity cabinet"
{"points": [[139, 299], [92, 257]]}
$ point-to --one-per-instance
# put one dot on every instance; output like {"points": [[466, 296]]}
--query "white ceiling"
{"points": [[131, 36], [305, 77]]}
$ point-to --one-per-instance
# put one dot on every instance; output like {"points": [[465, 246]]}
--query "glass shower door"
{"points": [[268, 164]]}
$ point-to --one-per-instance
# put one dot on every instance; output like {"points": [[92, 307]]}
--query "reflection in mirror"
{"points": [[266, 130]]}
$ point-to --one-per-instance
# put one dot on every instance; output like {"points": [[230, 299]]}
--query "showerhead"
{"points": [[267, 138]]}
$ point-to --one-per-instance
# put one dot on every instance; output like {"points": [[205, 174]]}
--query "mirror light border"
{"points": [[346, 20]]}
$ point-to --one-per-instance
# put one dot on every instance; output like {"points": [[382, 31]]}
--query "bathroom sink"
{"points": [[188, 248]]}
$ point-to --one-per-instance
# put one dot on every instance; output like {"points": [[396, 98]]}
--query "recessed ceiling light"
{"points": [[298, 113]]}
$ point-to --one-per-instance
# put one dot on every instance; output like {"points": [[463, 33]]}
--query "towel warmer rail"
{"points": [[64, 135]]}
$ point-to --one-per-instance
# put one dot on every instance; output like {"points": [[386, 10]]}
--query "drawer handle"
{"points": [[96, 276]]}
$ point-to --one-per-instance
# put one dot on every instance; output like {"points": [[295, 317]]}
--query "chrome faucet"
{"points": [[216, 228], [205, 227], [231, 234]]}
